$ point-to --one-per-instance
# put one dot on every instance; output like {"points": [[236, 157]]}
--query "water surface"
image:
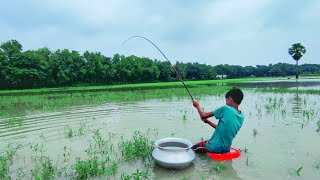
{"points": [[287, 135]]}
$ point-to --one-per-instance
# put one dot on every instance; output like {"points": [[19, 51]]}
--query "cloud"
{"points": [[239, 32]]}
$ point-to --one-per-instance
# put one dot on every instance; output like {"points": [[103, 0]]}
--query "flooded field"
{"points": [[100, 136]]}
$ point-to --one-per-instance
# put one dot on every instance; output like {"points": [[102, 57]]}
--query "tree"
{"points": [[11, 48], [165, 71], [10, 53], [296, 51]]}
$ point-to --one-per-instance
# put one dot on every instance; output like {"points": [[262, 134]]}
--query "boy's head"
{"points": [[236, 94]]}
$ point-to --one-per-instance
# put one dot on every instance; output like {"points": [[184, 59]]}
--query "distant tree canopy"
{"points": [[44, 68]]}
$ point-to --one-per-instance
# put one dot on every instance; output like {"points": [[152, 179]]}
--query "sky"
{"points": [[234, 32]]}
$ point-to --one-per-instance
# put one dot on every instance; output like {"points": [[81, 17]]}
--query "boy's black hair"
{"points": [[236, 94]]}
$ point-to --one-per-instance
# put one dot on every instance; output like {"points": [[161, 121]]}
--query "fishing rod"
{"points": [[164, 57]]}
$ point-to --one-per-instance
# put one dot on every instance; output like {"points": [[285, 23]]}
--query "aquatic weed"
{"points": [[255, 132], [245, 150], [220, 165], [136, 175], [4, 167], [299, 170], [68, 132], [85, 169], [140, 175], [12, 122], [138, 146], [43, 168]]}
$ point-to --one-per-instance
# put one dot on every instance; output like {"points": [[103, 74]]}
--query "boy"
{"points": [[230, 121]]}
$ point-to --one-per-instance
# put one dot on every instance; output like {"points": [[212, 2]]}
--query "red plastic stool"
{"points": [[233, 153]]}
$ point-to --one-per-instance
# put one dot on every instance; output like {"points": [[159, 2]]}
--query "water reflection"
{"points": [[205, 168], [297, 102]]}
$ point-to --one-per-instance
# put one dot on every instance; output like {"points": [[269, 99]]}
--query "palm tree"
{"points": [[296, 51]]}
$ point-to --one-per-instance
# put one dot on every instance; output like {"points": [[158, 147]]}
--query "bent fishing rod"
{"points": [[165, 58]]}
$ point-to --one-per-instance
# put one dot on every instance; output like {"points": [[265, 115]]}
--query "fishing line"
{"points": [[164, 57]]}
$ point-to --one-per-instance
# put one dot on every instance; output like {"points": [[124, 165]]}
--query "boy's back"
{"points": [[230, 121]]}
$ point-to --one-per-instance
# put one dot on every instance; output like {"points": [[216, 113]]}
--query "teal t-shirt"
{"points": [[230, 121]]}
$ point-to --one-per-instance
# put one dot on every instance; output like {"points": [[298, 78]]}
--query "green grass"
{"points": [[138, 147], [284, 90], [310, 75], [11, 122], [102, 159], [19, 105], [130, 86], [4, 167]]}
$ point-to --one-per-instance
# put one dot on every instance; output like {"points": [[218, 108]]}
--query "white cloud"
{"points": [[240, 32]]}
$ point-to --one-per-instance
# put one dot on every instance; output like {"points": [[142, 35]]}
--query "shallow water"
{"points": [[301, 84], [286, 125]]}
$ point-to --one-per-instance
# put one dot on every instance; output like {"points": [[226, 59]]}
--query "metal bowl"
{"points": [[172, 152]]}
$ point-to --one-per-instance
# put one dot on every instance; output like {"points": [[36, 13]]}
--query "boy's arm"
{"points": [[210, 123], [203, 115]]}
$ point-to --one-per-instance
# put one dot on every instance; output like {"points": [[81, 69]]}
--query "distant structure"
{"points": [[221, 76]]}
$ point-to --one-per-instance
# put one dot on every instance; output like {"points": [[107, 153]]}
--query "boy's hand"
{"points": [[205, 121], [195, 103]]}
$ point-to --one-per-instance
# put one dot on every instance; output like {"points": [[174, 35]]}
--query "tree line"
{"points": [[45, 68]]}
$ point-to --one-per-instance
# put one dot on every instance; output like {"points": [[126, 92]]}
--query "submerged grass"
{"points": [[284, 90], [12, 122], [11, 105], [219, 166], [298, 171], [101, 160], [138, 147]]}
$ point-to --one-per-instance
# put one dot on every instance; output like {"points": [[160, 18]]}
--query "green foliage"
{"points": [[68, 132], [57, 101], [4, 167], [43, 168], [138, 175], [245, 150], [45, 68], [15, 121], [299, 170], [137, 147], [101, 161], [219, 166], [293, 91], [296, 51], [93, 167]]}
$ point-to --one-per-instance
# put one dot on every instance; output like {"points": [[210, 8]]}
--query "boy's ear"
{"points": [[233, 100]]}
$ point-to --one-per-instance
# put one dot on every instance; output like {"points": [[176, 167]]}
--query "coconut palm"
{"points": [[296, 51]]}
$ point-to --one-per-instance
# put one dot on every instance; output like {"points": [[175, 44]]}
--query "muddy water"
{"points": [[286, 125]]}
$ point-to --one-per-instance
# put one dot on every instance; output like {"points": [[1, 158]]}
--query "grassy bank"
{"points": [[177, 84]]}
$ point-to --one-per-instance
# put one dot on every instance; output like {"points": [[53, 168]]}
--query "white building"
{"points": [[221, 76]]}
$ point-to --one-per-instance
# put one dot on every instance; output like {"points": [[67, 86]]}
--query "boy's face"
{"points": [[229, 101]]}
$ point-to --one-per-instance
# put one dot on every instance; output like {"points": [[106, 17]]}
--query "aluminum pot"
{"points": [[173, 152]]}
